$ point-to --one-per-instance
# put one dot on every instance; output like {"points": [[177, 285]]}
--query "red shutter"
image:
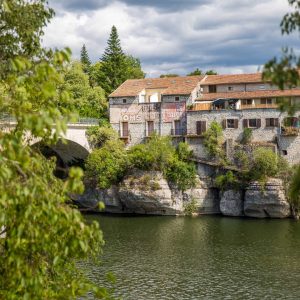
{"points": [[245, 123], [236, 123], [258, 123]]}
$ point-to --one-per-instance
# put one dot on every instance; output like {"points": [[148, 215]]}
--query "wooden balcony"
{"points": [[255, 106], [200, 106]]}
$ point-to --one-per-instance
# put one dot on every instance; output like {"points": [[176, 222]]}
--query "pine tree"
{"points": [[113, 68], [84, 59]]}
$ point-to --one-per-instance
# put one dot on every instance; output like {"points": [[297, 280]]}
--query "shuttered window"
{"points": [[200, 127], [230, 123], [252, 123], [272, 122]]}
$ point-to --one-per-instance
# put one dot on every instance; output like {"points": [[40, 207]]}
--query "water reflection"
{"points": [[200, 258]]}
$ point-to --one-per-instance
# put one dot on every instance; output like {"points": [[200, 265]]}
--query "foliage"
{"points": [[107, 165], [242, 160], [264, 165], [84, 59], [191, 207], [213, 141], [97, 136], [182, 174], [116, 67], [168, 75], [183, 151], [247, 136], [294, 192], [86, 100], [226, 181], [41, 235], [200, 72], [284, 72]]}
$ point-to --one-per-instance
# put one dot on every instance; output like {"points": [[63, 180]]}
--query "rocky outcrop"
{"points": [[266, 202], [231, 203]]}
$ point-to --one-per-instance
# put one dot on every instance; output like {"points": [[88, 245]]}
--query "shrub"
{"points": [[227, 181], [107, 165], [183, 151], [183, 174], [97, 135], [213, 140], [294, 192], [241, 159], [265, 164], [191, 207], [247, 136]]}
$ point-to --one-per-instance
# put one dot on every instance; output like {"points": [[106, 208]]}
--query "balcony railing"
{"points": [[250, 106], [178, 132]]}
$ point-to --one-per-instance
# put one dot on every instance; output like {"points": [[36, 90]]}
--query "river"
{"points": [[206, 257]]}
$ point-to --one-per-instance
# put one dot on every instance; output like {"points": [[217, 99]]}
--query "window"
{"points": [[177, 98], [200, 127], [150, 126], [252, 123], [284, 152], [272, 122], [231, 123], [230, 88], [125, 131], [266, 101], [124, 100], [212, 88], [247, 102]]}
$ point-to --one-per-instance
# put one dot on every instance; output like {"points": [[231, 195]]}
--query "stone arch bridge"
{"points": [[75, 147]]}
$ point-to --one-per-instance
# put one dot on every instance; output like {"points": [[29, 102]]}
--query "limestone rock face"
{"points": [[148, 193], [231, 203], [205, 196], [269, 202]]}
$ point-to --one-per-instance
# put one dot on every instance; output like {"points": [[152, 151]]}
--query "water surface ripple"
{"points": [[200, 258]]}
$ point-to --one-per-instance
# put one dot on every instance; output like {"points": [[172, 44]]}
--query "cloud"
{"points": [[175, 36]]}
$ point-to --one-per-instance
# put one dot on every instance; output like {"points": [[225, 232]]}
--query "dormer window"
{"points": [[124, 100], [177, 98]]}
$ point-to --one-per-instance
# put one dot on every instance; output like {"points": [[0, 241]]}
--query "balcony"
{"points": [[125, 135], [193, 134], [290, 131], [178, 132], [255, 106]]}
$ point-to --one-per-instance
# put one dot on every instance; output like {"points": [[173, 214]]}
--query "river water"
{"points": [[200, 258]]}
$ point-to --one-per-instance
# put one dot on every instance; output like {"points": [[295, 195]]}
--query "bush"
{"points": [[107, 166], [294, 192], [183, 174], [213, 140], [227, 181], [241, 159], [265, 164], [247, 136], [191, 207], [183, 151], [97, 136]]}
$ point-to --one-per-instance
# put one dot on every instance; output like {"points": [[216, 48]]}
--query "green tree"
{"points": [[211, 72], [107, 165], [84, 59], [213, 141], [168, 75], [196, 72], [98, 135], [116, 67], [86, 100], [41, 236]]}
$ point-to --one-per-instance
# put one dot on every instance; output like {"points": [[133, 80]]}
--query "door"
{"points": [[150, 127], [177, 127]]}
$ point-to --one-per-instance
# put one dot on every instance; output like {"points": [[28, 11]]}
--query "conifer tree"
{"points": [[116, 66], [84, 59]]}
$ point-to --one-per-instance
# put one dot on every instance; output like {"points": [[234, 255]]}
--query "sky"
{"points": [[175, 36]]}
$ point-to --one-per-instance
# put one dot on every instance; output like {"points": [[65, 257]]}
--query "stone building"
{"points": [[184, 107]]}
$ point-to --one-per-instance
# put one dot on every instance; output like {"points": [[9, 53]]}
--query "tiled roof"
{"points": [[250, 95], [170, 85], [236, 78]]}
